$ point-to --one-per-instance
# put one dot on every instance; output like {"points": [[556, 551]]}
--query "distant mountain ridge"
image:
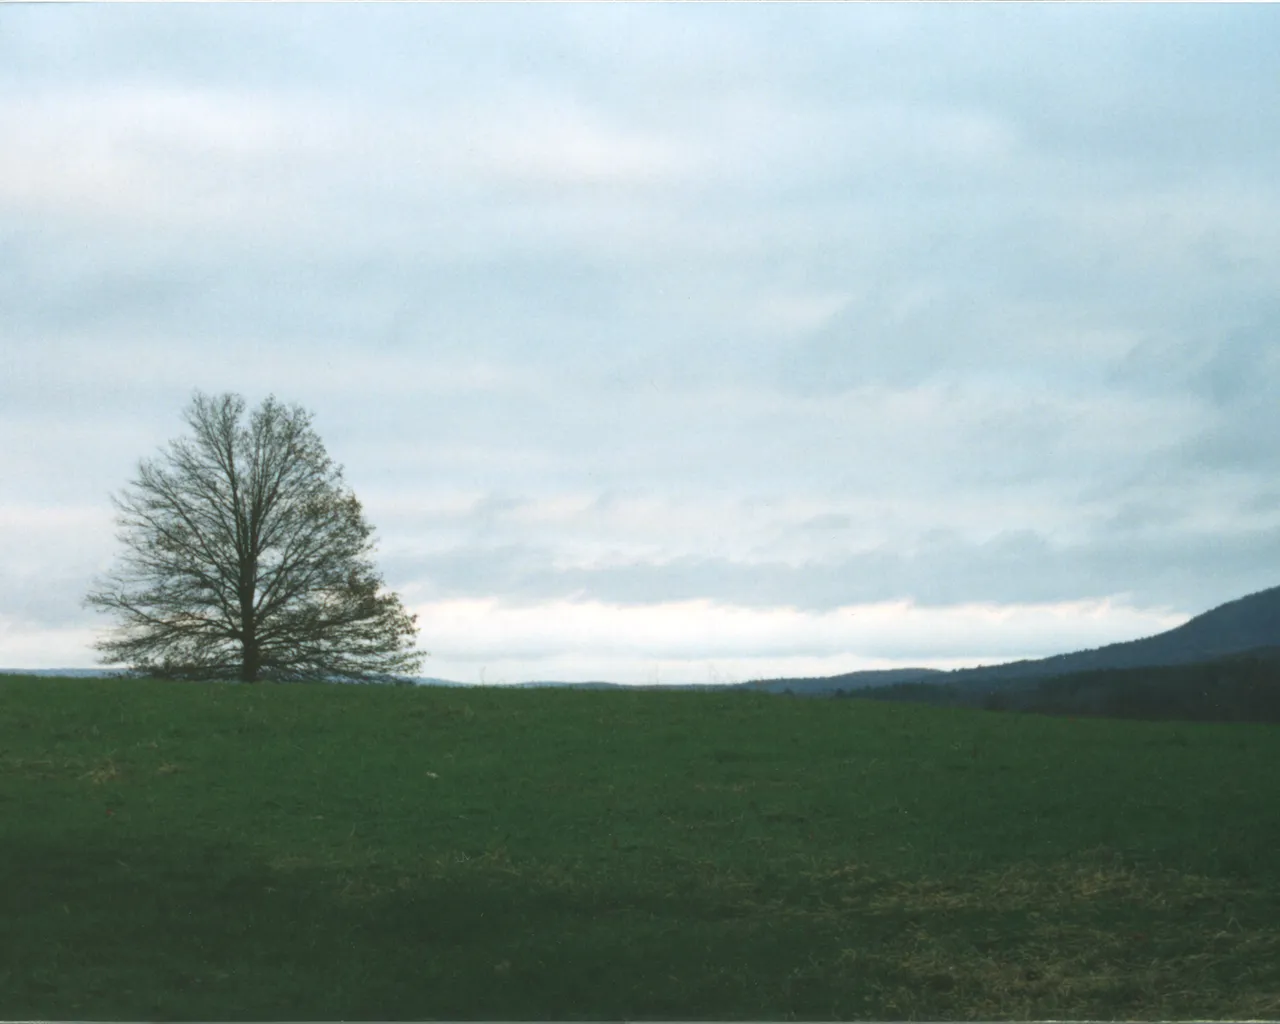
{"points": [[1245, 624], [821, 685]]}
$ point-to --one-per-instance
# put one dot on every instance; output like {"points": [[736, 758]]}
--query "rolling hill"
{"points": [[1245, 624]]}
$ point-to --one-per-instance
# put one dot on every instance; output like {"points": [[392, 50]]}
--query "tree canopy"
{"points": [[248, 557]]}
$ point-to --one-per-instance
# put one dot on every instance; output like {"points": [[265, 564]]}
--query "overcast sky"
{"points": [[666, 342]]}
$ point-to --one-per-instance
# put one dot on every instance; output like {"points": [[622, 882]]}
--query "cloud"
{"points": [[24, 646], [761, 307], [159, 157], [697, 637], [1187, 569]]}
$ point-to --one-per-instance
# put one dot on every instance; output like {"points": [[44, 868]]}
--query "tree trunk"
{"points": [[252, 659]]}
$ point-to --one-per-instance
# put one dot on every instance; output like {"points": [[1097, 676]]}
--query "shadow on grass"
{"points": [[169, 928]]}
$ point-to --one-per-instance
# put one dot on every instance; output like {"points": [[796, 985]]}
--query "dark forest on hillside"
{"points": [[1241, 688]]}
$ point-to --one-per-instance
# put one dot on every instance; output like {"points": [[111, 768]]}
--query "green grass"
{"points": [[225, 852]]}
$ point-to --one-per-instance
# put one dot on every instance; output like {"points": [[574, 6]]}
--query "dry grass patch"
{"points": [[105, 771], [1056, 887], [1065, 970]]}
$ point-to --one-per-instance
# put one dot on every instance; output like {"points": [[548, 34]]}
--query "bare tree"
{"points": [[248, 557]]}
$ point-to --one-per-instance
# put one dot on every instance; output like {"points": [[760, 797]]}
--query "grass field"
{"points": [[224, 852]]}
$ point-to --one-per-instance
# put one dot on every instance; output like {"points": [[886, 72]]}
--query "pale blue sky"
{"points": [[666, 341]]}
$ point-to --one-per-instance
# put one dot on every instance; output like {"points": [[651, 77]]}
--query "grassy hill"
{"points": [[1245, 624], [229, 852], [830, 686]]}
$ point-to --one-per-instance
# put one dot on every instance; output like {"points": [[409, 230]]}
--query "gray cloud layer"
{"points": [[770, 305]]}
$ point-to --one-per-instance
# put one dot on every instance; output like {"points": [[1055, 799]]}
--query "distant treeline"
{"points": [[1239, 688]]}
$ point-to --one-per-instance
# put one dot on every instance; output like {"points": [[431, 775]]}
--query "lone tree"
{"points": [[248, 558]]}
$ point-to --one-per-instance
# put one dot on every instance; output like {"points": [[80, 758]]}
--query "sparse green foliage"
{"points": [[248, 557]]}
